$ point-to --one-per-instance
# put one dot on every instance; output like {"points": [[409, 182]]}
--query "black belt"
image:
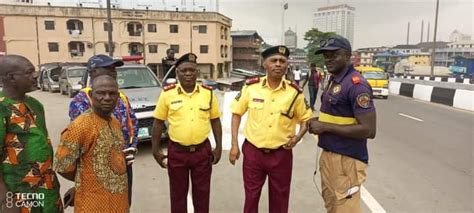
{"points": [[265, 150], [190, 148]]}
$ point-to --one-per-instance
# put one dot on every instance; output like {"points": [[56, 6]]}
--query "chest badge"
{"points": [[336, 89]]}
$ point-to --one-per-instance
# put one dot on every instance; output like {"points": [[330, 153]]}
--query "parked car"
{"points": [[142, 88], [49, 78], [69, 80]]}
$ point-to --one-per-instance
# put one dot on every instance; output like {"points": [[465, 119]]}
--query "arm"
{"points": [[70, 149], [134, 122], [365, 127], [235, 151], [217, 131], [158, 126]]}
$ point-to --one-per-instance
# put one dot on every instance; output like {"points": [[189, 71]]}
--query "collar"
{"points": [[281, 86], [181, 90], [341, 75]]}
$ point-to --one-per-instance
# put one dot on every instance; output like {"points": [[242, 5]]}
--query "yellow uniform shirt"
{"points": [[266, 126], [188, 114]]}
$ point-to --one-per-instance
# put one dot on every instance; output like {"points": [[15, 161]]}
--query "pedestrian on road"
{"points": [[313, 84], [275, 106], [99, 65], [347, 119], [26, 152], [297, 75], [90, 153], [166, 63], [191, 110]]}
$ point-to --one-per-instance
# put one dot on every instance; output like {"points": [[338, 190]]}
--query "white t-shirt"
{"points": [[297, 75]]}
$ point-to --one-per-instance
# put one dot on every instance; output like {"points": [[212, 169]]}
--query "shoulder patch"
{"points": [[169, 87], [355, 79], [207, 87], [297, 87], [363, 100], [251, 81]]}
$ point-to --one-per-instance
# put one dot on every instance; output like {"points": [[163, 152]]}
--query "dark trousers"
{"points": [[313, 95], [182, 164], [257, 165], [130, 183]]}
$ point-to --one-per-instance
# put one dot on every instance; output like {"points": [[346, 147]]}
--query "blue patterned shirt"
{"points": [[81, 103]]}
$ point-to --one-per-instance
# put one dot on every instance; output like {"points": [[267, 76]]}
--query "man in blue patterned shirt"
{"points": [[104, 65]]}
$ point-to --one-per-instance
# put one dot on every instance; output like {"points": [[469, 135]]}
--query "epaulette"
{"points": [[207, 87], [253, 80], [298, 88], [169, 86], [355, 79]]}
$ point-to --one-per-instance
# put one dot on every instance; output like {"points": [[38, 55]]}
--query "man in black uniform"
{"points": [[167, 62]]}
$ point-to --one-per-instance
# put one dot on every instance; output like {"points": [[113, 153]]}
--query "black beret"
{"points": [[280, 49], [188, 57]]}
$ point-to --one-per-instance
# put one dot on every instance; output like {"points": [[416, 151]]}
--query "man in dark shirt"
{"points": [[167, 62]]}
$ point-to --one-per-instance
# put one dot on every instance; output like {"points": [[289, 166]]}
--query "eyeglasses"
{"points": [[327, 42]]}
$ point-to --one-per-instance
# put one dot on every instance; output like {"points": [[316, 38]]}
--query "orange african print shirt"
{"points": [[92, 148]]}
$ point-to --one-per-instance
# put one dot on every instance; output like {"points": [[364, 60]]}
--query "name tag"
{"points": [[258, 100], [176, 102]]}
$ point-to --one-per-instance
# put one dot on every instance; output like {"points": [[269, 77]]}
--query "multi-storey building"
{"points": [[338, 19], [246, 48]]}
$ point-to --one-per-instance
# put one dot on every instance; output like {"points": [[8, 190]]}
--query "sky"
{"points": [[377, 22]]}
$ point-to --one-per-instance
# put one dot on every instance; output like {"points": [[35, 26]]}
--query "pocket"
{"points": [[332, 100], [256, 111], [285, 121], [361, 171], [174, 107], [204, 111]]}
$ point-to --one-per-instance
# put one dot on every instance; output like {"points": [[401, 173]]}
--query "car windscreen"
{"points": [[374, 75], [135, 77], [76, 73]]}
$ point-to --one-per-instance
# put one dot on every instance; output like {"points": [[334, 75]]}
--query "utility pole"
{"points": [[408, 34], [433, 53], [109, 30], [422, 29]]}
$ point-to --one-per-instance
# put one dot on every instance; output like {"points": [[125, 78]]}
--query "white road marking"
{"points": [[370, 201], [190, 203], [411, 117]]}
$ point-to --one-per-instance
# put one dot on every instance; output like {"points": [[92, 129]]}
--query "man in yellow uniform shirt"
{"points": [[191, 111], [275, 106]]}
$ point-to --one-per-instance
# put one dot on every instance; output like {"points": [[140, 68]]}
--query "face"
{"points": [[187, 74], [25, 77], [170, 53], [276, 66], [336, 60], [110, 71], [104, 97]]}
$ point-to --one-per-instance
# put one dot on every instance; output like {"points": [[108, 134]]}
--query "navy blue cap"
{"points": [[102, 61], [334, 43], [280, 50], [188, 57]]}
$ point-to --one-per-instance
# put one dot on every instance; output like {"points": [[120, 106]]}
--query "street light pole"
{"points": [[433, 52], [109, 30]]}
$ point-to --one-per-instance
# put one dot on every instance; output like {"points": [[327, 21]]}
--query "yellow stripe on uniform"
{"points": [[324, 117]]}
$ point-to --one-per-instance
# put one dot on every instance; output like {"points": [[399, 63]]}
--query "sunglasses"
{"points": [[326, 42]]}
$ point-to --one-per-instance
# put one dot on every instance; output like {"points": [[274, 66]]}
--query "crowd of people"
{"points": [[97, 149]]}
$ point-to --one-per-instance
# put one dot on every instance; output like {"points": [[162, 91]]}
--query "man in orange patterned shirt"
{"points": [[90, 153]]}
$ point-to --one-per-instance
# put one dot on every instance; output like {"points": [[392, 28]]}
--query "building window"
{"points": [[135, 49], [175, 47], [74, 26], [111, 26], [202, 29], [53, 47], [153, 48], [226, 50], [204, 49], [222, 51], [225, 33], [49, 25], [152, 28], [173, 28], [134, 29], [222, 32], [76, 49]]}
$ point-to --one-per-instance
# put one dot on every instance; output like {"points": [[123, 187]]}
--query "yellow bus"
{"points": [[377, 79]]}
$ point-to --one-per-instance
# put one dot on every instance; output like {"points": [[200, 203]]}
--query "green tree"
{"points": [[314, 38]]}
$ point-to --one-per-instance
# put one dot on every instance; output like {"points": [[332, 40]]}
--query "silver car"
{"points": [[142, 88], [69, 80]]}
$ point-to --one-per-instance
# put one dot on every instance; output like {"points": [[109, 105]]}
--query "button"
{"points": [[270, 126], [191, 108], [273, 100]]}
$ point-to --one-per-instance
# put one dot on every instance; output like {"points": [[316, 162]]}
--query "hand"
{"points": [[315, 126], [160, 159], [130, 155], [234, 154], [292, 142], [217, 152], [69, 197]]}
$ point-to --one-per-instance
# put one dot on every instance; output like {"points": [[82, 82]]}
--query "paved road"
{"points": [[415, 166]]}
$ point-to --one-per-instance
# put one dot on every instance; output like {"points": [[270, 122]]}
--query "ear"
{"points": [[89, 93]]}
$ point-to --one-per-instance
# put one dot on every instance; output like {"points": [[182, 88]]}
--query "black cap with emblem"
{"points": [[188, 57], [280, 50]]}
